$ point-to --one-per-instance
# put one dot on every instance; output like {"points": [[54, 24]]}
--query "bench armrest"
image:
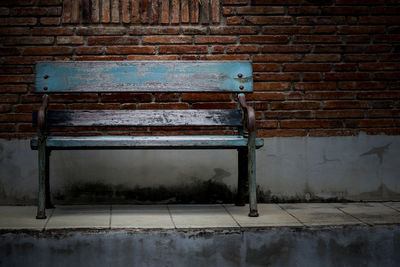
{"points": [[249, 114], [42, 115]]}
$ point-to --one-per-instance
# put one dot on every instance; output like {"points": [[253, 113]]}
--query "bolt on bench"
{"points": [[149, 77]]}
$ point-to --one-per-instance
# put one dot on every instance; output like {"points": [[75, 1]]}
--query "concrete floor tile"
{"points": [[319, 214], [141, 217], [372, 212], [21, 217], [270, 215], [201, 216], [82, 216]]}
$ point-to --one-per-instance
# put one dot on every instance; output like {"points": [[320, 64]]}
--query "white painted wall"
{"points": [[358, 167]]}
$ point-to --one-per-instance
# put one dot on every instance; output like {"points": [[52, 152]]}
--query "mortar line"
{"points": [[231, 216], [390, 207], [297, 219], [355, 217], [170, 216], [47, 221]]}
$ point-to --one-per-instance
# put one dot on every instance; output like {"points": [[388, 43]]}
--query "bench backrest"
{"points": [[144, 76]]}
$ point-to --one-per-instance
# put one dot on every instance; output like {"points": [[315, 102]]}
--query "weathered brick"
{"points": [[15, 21], [280, 20], [110, 40], [281, 133], [167, 40], [52, 31], [115, 30], [286, 48], [265, 96], [47, 50], [231, 30], [306, 67], [164, 106], [126, 97], [277, 57], [295, 105], [276, 39], [287, 29], [271, 86], [262, 10], [89, 50], [71, 40], [196, 97], [263, 67], [124, 50], [215, 39], [182, 49], [345, 104], [317, 39]]}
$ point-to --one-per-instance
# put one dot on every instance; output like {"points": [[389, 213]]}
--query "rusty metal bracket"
{"points": [[249, 114], [42, 116]]}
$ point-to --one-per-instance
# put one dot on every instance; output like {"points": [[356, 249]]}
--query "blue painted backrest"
{"points": [[144, 76]]}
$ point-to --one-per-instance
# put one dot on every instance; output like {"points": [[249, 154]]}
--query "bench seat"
{"points": [[143, 142]]}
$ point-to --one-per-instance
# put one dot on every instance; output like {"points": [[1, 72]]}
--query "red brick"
{"points": [[97, 106], [358, 38], [234, 2], [29, 11], [379, 95], [379, 66], [321, 48], [322, 58], [126, 97], [164, 106], [224, 57], [312, 76], [124, 50], [380, 20], [227, 11], [152, 57], [16, 117], [276, 76], [263, 67], [328, 114], [191, 30], [232, 30], [214, 105], [295, 105], [215, 39], [287, 29], [110, 40], [72, 40], [16, 78], [166, 97], [294, 96], [98, 58], [360, 29], [384, 113], [89, 50], [17, 70], [205, 97], [271, 86], [286, 48], [7, 127], [98, 30], [55, 50], [345, 104], [13, 88], [52, 31], [299, 124], [8, 98], [5, 108], [329, 95], [13, 21], [303, 10], [8, 51], [265, 96], [345, 10], [362, 85], [233, 20], [346, 67], [232, 49], [167, 40], [28, 40], [302, 114], [24, 108], [14, 31], [277, 58], [280, 133], [50, 21], [71, 98], [322, 20], [182, 49], [255, 10], [306, 67], [265, 39], [386, 131], [279, 20], [316, 39], [217, 49], [340, 76], [266, 124], [368, 123], [387, 75]]}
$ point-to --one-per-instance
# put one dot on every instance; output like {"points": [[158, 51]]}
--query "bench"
{"points": [[149, 77]]}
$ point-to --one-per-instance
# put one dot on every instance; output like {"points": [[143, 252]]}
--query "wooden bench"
{"points": [[149, 77]]}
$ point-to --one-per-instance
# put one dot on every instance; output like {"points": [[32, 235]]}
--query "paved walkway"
{"points": [[200, 216]]}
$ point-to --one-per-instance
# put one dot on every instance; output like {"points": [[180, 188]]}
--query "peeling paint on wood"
{"points": [[144, 76]]}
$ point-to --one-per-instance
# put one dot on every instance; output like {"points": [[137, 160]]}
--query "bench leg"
{"points": [[49, 204], [41, 209], [252, 174], [242, 177]]}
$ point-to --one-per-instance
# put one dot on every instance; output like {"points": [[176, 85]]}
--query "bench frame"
{"points": [[246, 155]]}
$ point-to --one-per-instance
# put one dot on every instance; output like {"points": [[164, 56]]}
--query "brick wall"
{"points": [[321, 68]]}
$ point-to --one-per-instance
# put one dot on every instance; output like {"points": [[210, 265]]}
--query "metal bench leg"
{"points": [[41, 209], [49, 205], [242, 177], [252, 174]]}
